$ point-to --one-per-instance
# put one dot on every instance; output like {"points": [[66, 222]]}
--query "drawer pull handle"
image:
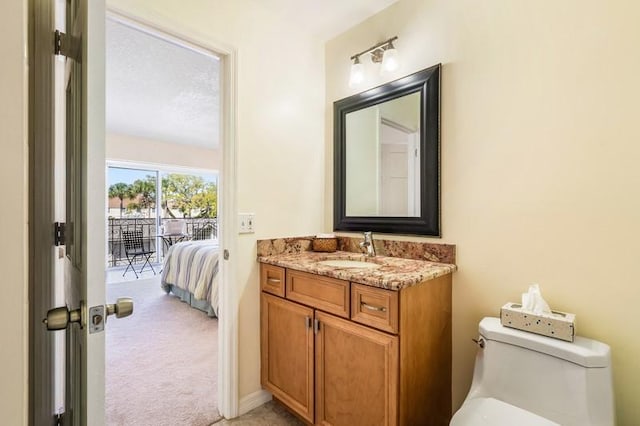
{"points": [[273, 280], [307, 322], [373, 308]]}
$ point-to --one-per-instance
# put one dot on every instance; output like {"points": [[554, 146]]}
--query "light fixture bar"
{"points": [[377, 46]]}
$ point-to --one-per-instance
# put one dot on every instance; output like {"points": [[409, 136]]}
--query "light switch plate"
{"points": [[246, 223]]}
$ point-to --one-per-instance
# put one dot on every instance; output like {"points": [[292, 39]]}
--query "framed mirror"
{"points": [[387, 157]]}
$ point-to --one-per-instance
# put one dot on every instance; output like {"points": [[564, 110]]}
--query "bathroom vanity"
{"points": [[353, 340]]}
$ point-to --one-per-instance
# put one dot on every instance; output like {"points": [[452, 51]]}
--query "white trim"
{"points": [[254, 400], [396, 126], [168, 36], [165, 168], [178, 37], [228, 307], [94, 200], [228, 391]]}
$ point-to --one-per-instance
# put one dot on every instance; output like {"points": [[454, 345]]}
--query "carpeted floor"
{"points": [[160, 362]]}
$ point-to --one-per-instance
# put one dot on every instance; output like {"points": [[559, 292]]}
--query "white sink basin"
{"points": [[344, 263]]}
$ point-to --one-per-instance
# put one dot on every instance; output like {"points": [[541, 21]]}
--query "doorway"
{"points": [[163, 152]]}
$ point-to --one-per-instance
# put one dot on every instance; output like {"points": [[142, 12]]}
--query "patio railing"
{"points": [[115, 252]]}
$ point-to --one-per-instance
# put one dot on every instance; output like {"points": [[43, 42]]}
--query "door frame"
{"points": [[40, 125], [41, 104], [228, 395]]}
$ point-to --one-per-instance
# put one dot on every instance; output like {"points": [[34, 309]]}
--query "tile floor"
{"points": [[269, 414]]}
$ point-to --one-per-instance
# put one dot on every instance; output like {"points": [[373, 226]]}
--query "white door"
{"points": [[84, 314], [394, 180], [399, 170]]}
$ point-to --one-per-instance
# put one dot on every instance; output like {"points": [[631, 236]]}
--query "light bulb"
{"points": [[390, 60], [356, 76]]}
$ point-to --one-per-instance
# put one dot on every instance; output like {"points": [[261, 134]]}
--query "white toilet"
{"points": [[525, 379]]}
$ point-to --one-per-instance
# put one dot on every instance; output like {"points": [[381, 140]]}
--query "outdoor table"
{"points": [[170, 239]]}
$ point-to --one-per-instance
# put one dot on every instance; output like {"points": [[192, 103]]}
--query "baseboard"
{"points": [[253, 400]]}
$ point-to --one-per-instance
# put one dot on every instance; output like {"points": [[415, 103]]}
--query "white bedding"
{"points": [[193, 266]]}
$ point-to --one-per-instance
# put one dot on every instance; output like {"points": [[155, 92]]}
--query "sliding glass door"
{"points": [[166, 205]]}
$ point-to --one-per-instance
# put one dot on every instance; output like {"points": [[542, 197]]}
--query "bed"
{"points": [[190, 271]]}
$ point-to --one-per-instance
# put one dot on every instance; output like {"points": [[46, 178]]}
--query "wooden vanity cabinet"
{"points": [[387, 363], [286, 353], [356, 374]]}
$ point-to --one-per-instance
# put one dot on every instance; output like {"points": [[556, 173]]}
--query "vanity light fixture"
{"points": [[390, 59], [357, 73], [383, 53]]}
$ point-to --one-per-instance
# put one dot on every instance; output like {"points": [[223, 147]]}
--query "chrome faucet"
{"points": [[368, 244]]}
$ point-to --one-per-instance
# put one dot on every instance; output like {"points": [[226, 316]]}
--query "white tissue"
{"points": [[325, 235], [533, 301]]}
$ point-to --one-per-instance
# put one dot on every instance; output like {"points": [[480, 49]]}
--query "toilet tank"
{"points": [[568, 383]]}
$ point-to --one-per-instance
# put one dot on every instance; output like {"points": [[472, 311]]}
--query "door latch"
{"points": [[98, 314], [96, 319]]}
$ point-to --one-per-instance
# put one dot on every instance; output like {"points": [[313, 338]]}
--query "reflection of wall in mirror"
{"points": [[404, 111], [361, 152]]}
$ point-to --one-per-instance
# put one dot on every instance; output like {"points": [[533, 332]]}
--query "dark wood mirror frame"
{"points": [[427, 82]]}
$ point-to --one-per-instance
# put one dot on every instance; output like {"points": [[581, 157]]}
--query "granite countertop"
{"points": [[394, 273]]}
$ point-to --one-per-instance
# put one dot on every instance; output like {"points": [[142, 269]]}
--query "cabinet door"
{"points": [[356, 374], [287, 353]]}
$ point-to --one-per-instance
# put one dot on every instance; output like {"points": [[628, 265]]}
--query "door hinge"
{"points": [[62, 44], [58, 419], [59, 233]]}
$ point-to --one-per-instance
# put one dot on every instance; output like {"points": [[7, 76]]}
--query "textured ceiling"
{"points": [[162, 91], [159, 90]]}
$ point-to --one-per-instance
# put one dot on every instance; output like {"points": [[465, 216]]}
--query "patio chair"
{"points": [[204, 232], [134, 248]]}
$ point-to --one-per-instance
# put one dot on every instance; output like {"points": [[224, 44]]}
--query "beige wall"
{"points": [[280, 150], [540, 175], [120, 147], [13, 175]]}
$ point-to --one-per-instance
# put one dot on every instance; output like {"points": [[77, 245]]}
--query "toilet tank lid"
{"points": [[582, 351]]}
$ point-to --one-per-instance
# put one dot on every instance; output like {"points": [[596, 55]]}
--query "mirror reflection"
{"points": [[383, 159]]}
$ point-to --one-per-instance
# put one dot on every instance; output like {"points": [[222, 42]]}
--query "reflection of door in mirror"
{"points": [[399, 165]]}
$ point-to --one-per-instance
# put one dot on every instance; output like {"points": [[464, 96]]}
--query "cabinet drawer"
{"points": [[272, 279], [375, 307], [327, 294]]}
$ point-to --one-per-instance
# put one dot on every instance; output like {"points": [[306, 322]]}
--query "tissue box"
{"points": [[559, 325]]}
